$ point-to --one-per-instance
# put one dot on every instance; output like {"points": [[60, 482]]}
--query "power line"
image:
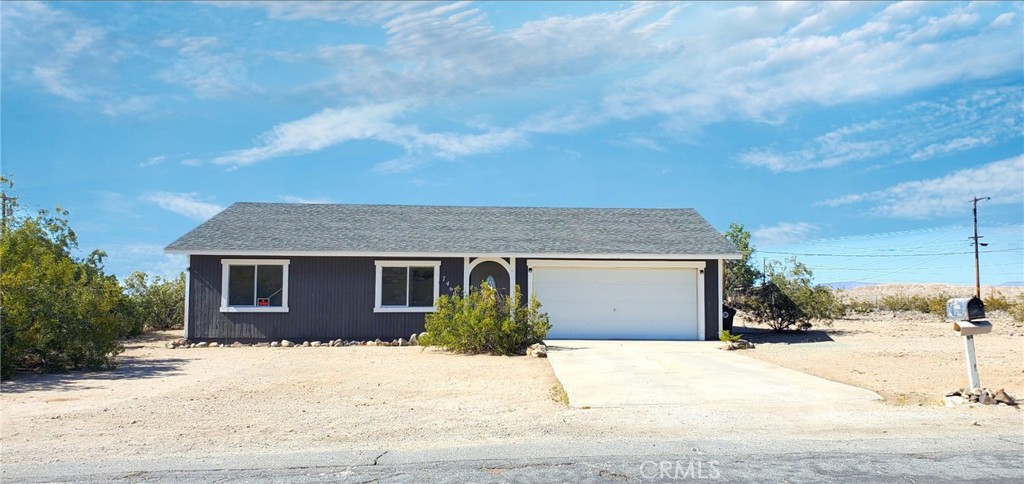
{"points": [[806, 254], [898, 270], [912, 246]]}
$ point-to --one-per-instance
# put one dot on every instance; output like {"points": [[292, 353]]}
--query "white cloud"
{"points": [[186, 204], [201, 65], [937, 27], [453, 50], [349, 12], [324, 129], [64, 41], [918, 132], [756, 62], [1002, 180], [67, 56], [130, 106], [1004, 20], [782, 233], [331, 127], [153, 161], [149, 258], [644, 142], [951, 146]]}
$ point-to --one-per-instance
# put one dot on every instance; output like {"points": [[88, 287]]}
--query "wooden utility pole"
{"points": [[977, 272], [6, 208]]}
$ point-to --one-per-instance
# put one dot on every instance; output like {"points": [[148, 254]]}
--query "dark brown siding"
{"points": [[522, 278], [712, 300], [328, 298], [332, 297]]}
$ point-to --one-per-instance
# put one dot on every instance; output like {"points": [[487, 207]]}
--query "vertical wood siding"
{"points": [[328, 298], [333, 297], [712, 300]]}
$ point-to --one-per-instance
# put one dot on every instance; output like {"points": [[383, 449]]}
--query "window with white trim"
{"points": [[406, 286], [254, 285]]}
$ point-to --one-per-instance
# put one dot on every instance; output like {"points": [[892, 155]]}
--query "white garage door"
{"points": [[619, 303]]}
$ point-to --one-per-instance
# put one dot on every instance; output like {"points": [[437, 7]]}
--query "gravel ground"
{"points": [[235, 401]]}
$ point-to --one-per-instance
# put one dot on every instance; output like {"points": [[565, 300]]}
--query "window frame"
{"points": [[225, 285], [407, 264]]}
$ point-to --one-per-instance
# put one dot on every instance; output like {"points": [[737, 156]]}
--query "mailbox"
{"points": [[966, 314], [971, 328], [965, 309]]}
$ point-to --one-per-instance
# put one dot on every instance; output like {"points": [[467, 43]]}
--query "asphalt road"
{"points": [[996, 459]]}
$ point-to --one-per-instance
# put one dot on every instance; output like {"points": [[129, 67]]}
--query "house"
{"points": [[267, 271]]}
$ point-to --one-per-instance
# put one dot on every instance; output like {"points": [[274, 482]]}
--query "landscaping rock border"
{"points": [[982, 396], [738, 345], [336, 343]]}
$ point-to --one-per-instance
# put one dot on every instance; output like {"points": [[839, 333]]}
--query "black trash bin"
{"points": [[727, 315]]}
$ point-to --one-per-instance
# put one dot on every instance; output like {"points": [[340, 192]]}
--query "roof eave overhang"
{"points": [[537, 255]]}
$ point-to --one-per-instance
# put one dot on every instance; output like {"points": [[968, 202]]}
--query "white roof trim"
{"points": [[553, 255]]}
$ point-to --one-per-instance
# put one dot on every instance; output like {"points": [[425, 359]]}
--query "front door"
{"points": [[493, 274]]}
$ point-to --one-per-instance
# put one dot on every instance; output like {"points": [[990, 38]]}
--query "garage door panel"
{"points": [[601, 303]]}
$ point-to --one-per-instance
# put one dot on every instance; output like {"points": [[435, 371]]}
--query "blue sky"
{"points": [[854, 134]]}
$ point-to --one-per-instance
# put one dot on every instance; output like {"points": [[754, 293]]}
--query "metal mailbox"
{"points": [[965, 309], [966, 314], [971, 328]]}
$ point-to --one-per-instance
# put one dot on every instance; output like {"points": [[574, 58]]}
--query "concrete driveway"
{"points": [[626, 373]]}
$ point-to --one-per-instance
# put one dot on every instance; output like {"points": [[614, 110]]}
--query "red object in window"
{"points": [[263, 301]]}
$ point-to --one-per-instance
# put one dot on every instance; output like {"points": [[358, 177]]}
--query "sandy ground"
{"points": [[222, 401], [234, 401], [906, 357]]}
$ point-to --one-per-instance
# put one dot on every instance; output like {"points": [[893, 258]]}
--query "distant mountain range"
{"points": [[847, 285]]}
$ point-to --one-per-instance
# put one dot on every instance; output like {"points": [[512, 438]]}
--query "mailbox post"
{"points": [[966, 315]]}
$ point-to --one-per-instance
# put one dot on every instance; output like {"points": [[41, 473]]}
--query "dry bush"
{"points": [[930, 304]]}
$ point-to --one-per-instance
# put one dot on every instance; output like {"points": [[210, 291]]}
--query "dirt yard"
{"points": [[908, 358], [254, 400]]}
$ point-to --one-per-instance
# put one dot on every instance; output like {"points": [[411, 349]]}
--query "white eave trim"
{"points": [[610, 264], [529, 255]]}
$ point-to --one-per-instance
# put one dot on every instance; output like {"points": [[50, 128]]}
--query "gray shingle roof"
{"points": [[376, 229]]}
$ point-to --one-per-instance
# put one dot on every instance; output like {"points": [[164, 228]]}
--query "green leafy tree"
{"points": [[797, 281], [740, 275], [157, 302], [58, 312], [787, 298], [484, 321]]}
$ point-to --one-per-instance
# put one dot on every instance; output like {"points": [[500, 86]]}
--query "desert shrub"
{"points": [[484, 321], [156, 303], [997, 301], [790, 298], [816, 301], [59, 312], [928, 304], [1016, 308], [768, 304], [858, 307]]}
